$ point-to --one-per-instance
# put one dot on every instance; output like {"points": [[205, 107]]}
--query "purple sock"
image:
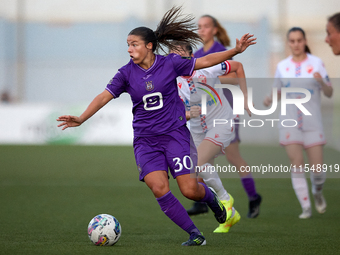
{"points": [[249, 186], [209, 196], [176, 212], [209, 199]]}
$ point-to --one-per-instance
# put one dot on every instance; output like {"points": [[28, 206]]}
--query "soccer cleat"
{"points": [[254, 207], [195, 241], [306, 213], [320, 203], [218, 208], [198, 208], [224, 227], [228, 206]]}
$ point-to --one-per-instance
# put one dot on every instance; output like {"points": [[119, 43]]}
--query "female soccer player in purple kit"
{"points": [[161, 138], [209, 29]]}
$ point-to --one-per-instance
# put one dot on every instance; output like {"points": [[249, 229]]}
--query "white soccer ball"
{"points": [[104, 230]]}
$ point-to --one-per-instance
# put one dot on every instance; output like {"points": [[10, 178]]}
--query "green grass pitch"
{"points": [[48, 195]]}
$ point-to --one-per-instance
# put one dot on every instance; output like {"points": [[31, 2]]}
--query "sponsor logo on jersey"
{"points": [[209, 93], [149, 86], [147, 76]]}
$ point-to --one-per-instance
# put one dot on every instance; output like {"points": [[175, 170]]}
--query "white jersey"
{"points": [[202, 82], [289, 74]]}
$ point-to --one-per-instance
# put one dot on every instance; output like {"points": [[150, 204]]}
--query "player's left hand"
{"points": [[245, 41]]}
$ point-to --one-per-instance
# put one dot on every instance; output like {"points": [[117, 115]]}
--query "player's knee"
{"points": [[190, 192], [159, 189]]}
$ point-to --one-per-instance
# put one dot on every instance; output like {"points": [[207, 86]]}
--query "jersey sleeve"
{"points": [[219, 69], [182, 66], [324, 74], [183, 89], [116, 85]]}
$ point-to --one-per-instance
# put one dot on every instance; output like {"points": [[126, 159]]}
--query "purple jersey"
{"points": [[217, 47], [157, 108]]}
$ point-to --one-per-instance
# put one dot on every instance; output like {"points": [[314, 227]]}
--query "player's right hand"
{"points": [[69, 121], [195, 111]]}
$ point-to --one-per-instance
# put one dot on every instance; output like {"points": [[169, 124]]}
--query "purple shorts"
{"points": [[174, 151], [236, 127]]}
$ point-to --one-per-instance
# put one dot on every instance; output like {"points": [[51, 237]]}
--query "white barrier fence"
{"points": [[36, 124], [112, 125]]}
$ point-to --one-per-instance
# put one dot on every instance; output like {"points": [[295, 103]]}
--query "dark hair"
{"points": [[335, 20], [174, 26], [185, 46], [221, 34], [294, 29]]}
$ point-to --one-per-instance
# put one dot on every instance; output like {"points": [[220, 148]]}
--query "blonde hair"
{"points": [[221, 35]]}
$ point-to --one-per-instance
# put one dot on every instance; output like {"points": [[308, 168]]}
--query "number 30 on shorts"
{"points": [[180, 163]]}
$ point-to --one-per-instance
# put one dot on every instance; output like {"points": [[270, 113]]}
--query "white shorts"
{"points": [[219, 135], [306, 138]]}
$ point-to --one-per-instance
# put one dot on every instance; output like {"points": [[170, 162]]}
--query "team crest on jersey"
{"points": [[149, 86], [202, 78], [309, 69], [179, 85]]}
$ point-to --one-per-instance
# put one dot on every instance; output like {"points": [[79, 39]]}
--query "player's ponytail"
{"points": [[221, 34], [335, 20], [174, 26], [294, 29]]}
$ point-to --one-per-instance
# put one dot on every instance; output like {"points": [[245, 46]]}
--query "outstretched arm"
{"points": [[97, 103], [218, 57]]}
